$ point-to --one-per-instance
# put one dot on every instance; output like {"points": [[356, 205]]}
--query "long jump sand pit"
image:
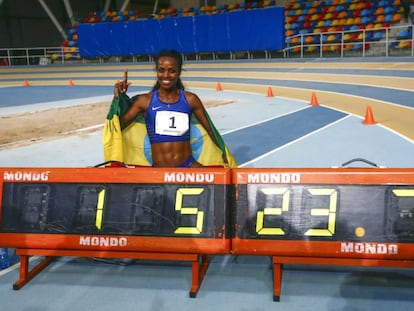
{"points": [[25, 128]]}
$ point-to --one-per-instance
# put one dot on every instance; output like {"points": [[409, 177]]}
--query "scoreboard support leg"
{"points": [[199, 262], [277, 280], [198, 272], [25, 275], [278, 262]]}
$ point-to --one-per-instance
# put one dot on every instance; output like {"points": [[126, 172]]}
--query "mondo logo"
{"points": [[189, 177], [103, 241], [26, 176]]}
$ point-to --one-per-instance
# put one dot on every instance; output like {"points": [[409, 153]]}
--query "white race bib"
{"points": [[171, 123]]}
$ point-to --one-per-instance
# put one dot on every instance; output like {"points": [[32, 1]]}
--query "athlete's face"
{"points": [[167, 72]]}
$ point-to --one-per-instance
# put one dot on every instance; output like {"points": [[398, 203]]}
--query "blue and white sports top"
{"points": [[168, 122]]}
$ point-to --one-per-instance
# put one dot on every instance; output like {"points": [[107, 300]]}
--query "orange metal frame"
{"points": [[330, 176], [278, 262], [219, 245], [199, 262], [318, 249], [322, 252], [195, 250]]}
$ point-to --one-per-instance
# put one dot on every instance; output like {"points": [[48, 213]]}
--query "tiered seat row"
{"points": [[111, 16], [342, 24], [214, 9], [345, 15], [116, 16]]}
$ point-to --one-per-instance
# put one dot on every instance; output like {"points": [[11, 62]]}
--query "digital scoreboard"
{"points": [[124, 210], [325, 216], [343, 216]]}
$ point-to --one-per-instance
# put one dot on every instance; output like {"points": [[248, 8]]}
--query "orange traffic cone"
{"points": [[269, 92], [314, 100], [218, 87], [26, 83], [71, 83], [369, 116]]}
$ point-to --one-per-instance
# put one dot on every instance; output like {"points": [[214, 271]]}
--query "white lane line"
{"points": [[293, 141], [263, 121]]}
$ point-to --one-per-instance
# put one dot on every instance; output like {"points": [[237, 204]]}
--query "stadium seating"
{"points": [[342, 20], [345, 13], [358, 21]]}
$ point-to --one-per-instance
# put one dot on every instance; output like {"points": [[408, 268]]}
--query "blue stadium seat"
{"points": [[378, 35]]}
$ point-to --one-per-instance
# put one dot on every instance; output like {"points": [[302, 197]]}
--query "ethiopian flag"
{"points": [[132, 146]]}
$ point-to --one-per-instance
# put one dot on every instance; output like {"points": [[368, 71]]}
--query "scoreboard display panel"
{"points": [[343, 212], [325, 216], [146, 209]]}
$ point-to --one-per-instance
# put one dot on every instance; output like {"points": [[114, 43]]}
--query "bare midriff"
{"points": [[171, 154]]}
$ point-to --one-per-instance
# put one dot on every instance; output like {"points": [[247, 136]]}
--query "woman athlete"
{"points": [[167, 110]]}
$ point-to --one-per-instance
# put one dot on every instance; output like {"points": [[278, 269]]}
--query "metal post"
{"points": [[69, 11], [124, 5], [155, 7], [53, 18]]}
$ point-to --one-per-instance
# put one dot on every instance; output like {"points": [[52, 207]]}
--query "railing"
{"points": [[386, 41], [40, 55], [353, 43]]}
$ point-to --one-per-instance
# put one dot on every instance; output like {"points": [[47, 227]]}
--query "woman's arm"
{"points": [[140, 105], [137, 106]]}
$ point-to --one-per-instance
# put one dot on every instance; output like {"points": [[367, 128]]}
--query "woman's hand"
{"points": [[121, 86]]}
